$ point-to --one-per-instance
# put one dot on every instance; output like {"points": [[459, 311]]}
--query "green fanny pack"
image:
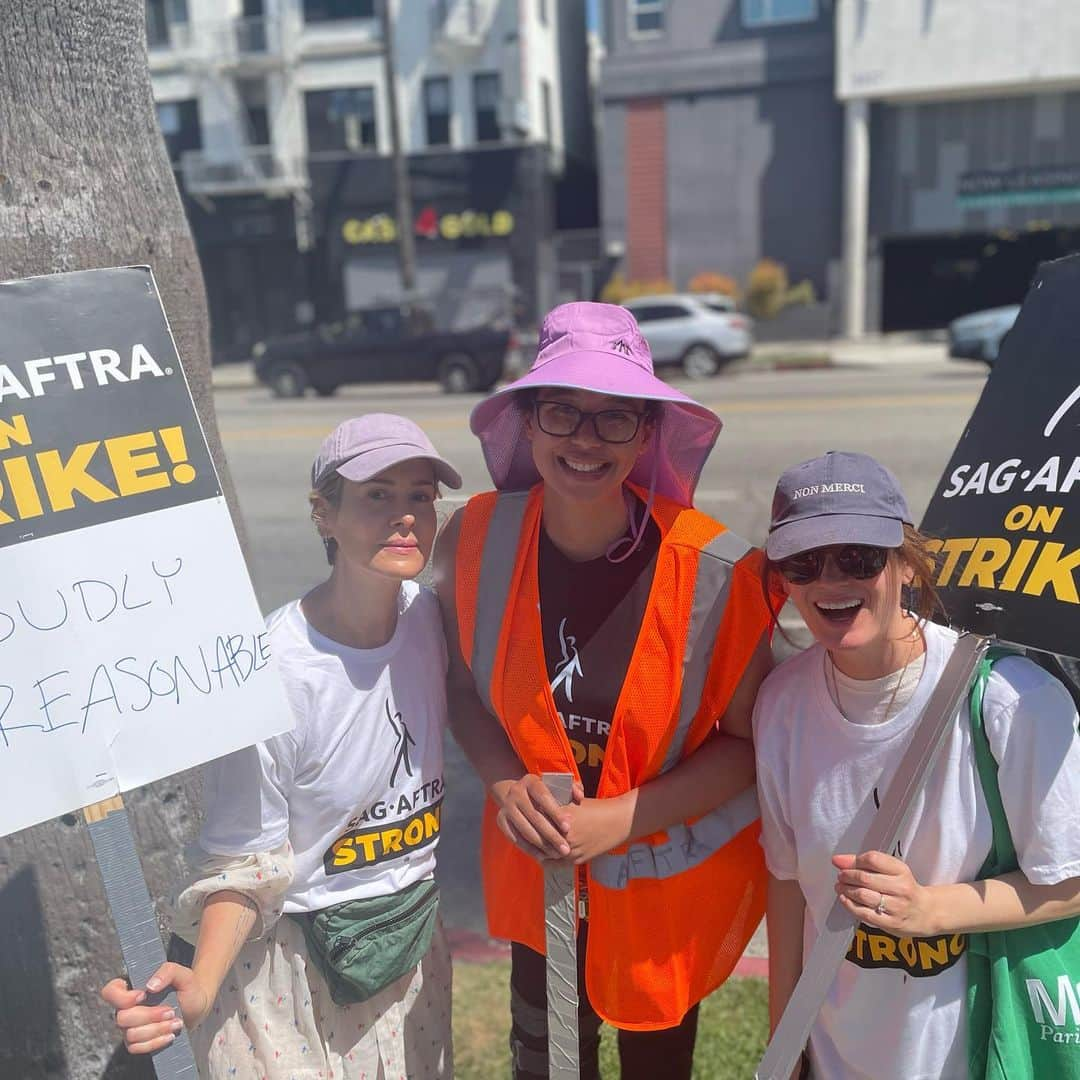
{"points": [[361, 946]]}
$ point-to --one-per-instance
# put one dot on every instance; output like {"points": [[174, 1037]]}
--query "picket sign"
{"points": [[560, 928], [126, 610], [136, 922]]}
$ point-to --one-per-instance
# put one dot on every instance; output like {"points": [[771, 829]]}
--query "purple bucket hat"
{"points": [[365, 446], [598, 347]]}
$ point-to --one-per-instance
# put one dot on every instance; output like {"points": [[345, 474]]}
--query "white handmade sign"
{"points": [[131, 643]]}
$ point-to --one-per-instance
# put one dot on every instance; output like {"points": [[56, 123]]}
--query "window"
{"points": [[437, 111], [316, 11], [341, 119], [646, 17], [657, 312], [160, 15], [179, 123], [758, 13], [486, 104]]}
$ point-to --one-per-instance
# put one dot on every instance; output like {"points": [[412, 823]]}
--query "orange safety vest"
{"points": [[670, 914]]}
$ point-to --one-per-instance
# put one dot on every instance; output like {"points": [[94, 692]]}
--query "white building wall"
{"points": [[514, 43], [898, 49]]}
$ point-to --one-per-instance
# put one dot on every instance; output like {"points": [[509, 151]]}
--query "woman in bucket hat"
{"points": [[599, 625], [830, 726], [335, 823]]}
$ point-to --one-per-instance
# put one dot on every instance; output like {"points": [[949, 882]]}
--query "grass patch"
{"points": [[732, 1030]]}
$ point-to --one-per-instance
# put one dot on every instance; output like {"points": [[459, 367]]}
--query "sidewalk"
{"points": [[880, 351]]}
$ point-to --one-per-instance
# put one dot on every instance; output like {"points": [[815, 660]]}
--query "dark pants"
{"points": [[643, 1055]]}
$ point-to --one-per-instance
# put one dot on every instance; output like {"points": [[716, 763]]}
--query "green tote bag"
{"points": [[1023, 1001]]}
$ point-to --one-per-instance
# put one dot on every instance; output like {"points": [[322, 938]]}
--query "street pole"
{"points": [[402, 193]]}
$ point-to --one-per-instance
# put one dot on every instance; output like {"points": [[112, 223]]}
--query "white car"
{"points": [[701, 332]]}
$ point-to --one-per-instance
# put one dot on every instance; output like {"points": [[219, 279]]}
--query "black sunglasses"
{"points": [[855, 560], [611, 425]]}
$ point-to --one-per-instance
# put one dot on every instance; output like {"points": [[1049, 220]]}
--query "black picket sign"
{"points": [[1006, 512]]}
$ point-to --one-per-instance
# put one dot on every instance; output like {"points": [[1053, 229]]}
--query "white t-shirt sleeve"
{"points": [[777, 836], [1031, 725], [246, 798]]}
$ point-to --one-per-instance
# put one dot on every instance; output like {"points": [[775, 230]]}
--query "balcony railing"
{"points": [[241, 40], [254, 169]]}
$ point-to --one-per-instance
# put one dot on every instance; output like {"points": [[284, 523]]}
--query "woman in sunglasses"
{"points": [[830, 726], [600, 626]]}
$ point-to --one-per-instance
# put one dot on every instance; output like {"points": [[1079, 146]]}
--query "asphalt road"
{"points": [[908, 416]]}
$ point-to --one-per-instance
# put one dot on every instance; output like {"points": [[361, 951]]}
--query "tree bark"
{"points": [[85, 182]]}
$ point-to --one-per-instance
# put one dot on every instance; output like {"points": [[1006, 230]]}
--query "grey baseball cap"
{"points": [[364, 446], [840, 498]]}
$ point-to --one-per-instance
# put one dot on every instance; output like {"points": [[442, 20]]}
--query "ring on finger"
{"points": [[880, 909]]}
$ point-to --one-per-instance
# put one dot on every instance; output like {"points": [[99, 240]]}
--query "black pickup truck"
{"points": [[391, 343]]}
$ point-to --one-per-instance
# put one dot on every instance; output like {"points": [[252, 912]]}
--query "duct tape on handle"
{"points": [[136, 926], [789, 1040], [560, 928]]}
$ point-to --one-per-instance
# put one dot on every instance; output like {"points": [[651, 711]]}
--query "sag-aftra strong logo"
{"points": [[1057, 1018], [371, 846], [918, 957]]}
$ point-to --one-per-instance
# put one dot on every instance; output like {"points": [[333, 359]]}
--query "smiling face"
{"points": [[852, 616], [582, 467], [385, 525]]}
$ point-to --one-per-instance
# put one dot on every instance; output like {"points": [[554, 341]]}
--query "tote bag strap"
{"points": [[1002, 857]]}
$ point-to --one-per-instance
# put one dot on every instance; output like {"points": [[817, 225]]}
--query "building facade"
{"points": [[962, 153], [720, 138], [276, 115]]}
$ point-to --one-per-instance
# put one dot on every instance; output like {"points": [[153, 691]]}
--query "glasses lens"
{"points": [[617, 425], [860, 561], [803, 568], [557, 418]]}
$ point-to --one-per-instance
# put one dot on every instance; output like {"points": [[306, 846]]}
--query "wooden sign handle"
{"points": [[561, 933], [136, 921]]}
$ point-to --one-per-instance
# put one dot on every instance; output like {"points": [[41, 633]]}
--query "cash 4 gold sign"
{"points": [[1005, 517], [430, 225]]}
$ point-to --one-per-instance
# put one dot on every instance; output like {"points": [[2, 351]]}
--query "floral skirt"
{"points": [[274, 1020]]}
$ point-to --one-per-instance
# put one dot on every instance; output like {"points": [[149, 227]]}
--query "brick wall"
{"points": [[646, 190]]}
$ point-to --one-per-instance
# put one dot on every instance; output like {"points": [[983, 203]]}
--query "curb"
{"points": [[469, 947]]}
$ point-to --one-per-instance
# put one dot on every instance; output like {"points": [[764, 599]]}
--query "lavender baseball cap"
{"points": [[840, 498], [364, 446], [598, 347]]}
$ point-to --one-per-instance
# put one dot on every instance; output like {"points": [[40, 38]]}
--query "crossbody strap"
{"points": [[1002, 857]]}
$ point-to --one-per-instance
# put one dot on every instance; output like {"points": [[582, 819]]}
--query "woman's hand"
{"points": [[147, 1028], [530, 817], [597, 826], [881, 891]]}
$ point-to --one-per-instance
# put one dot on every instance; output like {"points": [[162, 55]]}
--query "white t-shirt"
{"points": [[357, 786], [896, 1008]]}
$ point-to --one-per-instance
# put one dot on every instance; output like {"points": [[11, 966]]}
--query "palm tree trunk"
{"points": [[85, 182]]}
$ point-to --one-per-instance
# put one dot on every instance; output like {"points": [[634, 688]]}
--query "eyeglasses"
{"points": [[855, 560], [611, 425]]}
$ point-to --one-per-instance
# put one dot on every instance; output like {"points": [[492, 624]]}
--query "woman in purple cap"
{"points": [[830, 726], [600, 626], [335, 823]]}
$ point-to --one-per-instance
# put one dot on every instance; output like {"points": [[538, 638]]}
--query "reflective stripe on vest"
{"points": [[496, 570], [687, 845]]}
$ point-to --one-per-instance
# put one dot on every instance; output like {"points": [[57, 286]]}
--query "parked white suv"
{"points": [[701, 332]]}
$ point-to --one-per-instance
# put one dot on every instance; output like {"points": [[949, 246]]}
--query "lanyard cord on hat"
{"points": [[637, 529]]}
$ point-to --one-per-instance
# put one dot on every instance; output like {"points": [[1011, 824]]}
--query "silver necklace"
{"points": [[835, 690]]}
